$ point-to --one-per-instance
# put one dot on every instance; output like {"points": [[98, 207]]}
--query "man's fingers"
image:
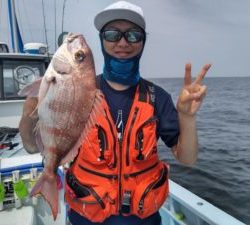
{"points": [[202, 74], [198, 95], [201, 93], [187, 77]]}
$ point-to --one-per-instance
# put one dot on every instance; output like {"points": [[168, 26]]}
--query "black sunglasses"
{"points": [[131, 36]]}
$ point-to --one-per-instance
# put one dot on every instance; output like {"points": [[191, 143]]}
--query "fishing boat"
{"points": [[19, 170]]}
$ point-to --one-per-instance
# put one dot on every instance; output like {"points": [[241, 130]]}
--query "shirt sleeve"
{"points": [[168, 123]]}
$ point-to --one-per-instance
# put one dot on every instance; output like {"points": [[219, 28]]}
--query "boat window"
{"points": [[16, 75]]}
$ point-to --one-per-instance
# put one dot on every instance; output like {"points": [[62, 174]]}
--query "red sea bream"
{"points": [[68, 103]]}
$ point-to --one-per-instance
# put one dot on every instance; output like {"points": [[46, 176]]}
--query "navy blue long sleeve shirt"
{"points": [[165, 111]]}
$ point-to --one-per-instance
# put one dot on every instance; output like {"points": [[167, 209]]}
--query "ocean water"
{"points": [[222, 172]]}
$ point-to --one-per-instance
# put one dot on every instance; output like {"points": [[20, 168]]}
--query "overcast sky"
{"points": [[179, 31]]}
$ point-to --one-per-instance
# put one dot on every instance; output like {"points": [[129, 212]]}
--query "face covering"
{"points": [[122, 71]]}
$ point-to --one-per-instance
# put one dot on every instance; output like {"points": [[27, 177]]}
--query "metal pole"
{"points": [[13, 25]]}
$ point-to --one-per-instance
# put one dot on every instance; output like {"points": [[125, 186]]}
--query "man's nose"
{"points": [[123, 42]]}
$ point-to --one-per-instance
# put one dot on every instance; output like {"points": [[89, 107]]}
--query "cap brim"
{"points": [[107, 16]]}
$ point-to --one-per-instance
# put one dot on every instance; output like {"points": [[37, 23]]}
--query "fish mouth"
{"points": [[72, 36], [77, 46], [61, 65]]}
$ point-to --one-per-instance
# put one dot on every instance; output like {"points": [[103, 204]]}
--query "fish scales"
{"points": [[65, 111]]}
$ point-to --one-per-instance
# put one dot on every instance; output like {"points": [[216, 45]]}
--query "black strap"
{"points": [[146, 88], [142, 91], [98, 81], [150, 88]]}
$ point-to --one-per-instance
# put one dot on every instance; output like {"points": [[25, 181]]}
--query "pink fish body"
{"points": [[67, 105]]}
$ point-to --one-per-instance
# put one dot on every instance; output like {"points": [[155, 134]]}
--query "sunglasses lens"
{"points": [[134, 36], [112, 35]]}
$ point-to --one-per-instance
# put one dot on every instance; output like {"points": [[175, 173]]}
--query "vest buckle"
{"points": [[126, 202]]}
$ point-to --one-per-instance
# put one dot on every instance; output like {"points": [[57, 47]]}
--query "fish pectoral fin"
{"points": [[31, 90], [34, 114]]}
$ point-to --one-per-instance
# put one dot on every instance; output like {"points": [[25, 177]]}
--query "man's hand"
{"points": [[192, 93]]}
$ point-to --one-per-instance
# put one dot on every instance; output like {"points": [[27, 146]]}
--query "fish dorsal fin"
{"points": [[96, 111]]}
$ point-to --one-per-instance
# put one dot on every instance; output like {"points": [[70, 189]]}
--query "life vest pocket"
{"points": [[99, 152], [149, 196], [94, 203], [145, 142]]}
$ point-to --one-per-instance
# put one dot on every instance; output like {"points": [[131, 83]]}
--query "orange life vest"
{"points": [[109, 176]]}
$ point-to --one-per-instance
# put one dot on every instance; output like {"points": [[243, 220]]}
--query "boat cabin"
{"points": [[16, 71]]}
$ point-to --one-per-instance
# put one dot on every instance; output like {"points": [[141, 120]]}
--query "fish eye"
{"points": [[79, 56]]}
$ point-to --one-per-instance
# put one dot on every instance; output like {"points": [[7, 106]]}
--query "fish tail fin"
{"points": [[47, 187]]}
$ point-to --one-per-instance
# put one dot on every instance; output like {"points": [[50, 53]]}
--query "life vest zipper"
{"points": [[151, 119], [129, 134], [102, 137], [97, 197], [138, 132], [114, 140], [126, 176], [151, 186], [120, 177], [139, 137], [81, 190], [108, 176]]}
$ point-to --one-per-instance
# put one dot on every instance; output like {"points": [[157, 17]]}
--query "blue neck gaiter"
{"points": [[122, 71]]}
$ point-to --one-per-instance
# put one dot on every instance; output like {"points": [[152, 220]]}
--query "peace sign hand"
{"points": [[192, 93]]}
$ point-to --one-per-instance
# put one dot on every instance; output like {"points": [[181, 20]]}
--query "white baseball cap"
{"points": [[121, 10]]}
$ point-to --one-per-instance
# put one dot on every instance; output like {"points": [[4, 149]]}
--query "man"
{"points": [[117, 178]]}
